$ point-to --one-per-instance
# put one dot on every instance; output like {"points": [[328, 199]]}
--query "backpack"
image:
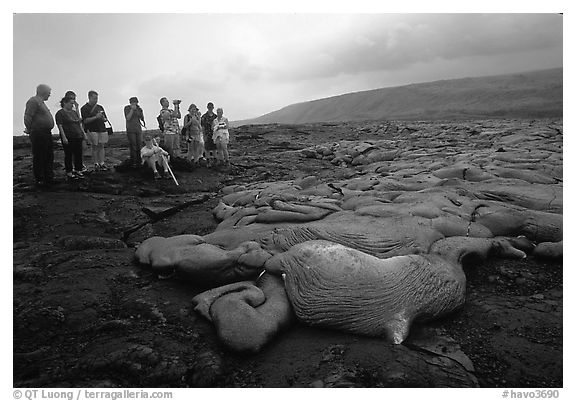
{"points": [[184, 131], [160, 122]]}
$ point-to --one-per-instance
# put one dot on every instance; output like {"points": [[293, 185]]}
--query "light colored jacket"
{"points": [[154, 151], [220, 125]]}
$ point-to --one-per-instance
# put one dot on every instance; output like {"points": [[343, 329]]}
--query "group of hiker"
{"points": [[202, 140]]}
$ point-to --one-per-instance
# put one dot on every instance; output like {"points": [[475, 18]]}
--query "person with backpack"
{"points": [[168, 123], [193, 133], [94, 118]]}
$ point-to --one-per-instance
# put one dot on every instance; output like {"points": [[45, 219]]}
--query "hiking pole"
{"points": [[166, 164], [169, 169]]}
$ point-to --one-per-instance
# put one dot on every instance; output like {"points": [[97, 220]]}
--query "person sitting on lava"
{"points": [[152, 154]]}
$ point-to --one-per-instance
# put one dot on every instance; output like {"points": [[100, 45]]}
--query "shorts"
{"points": [[224, 137], [96, 138], [170, 141]]}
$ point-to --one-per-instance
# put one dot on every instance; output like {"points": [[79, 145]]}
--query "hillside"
{"points": [[535, 94]]}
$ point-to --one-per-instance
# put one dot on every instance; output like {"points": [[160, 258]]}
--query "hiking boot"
{"points": [[71, 176], [79, 174], [103, 167], [156, 175]]}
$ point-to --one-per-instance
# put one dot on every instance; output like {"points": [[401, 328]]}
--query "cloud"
{"points": [[252, 64], [221, 76], [390, 42], [171, 84]]}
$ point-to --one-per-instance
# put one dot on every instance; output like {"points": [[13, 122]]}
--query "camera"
{"points": [[177, 101]]}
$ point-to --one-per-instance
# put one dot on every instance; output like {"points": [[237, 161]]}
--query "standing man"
{"points": [[94, 117], [134, 122], [39, 123], [171, 126], [207, 120]]}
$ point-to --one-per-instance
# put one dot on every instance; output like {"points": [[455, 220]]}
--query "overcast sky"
{"points": [[252, 64]]}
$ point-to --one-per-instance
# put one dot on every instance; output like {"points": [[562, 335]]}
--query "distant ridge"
{"points": [[534, 94]]}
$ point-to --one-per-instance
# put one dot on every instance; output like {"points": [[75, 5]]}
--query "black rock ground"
{"points": [[86, 315]]}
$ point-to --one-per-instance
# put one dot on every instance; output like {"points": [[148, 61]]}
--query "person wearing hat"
{"points": [[193, 127], [207, 120], [134, 122]]}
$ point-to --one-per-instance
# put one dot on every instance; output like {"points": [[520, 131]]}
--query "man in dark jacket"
{"points": [[134, 121], [206, 121]]}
